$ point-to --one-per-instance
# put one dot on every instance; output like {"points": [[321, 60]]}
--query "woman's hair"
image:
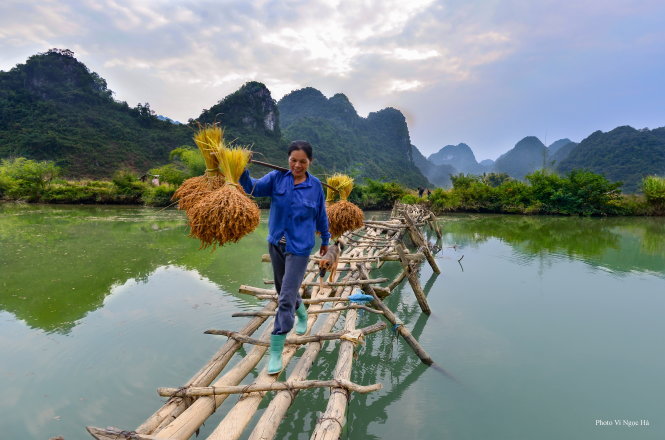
{"points": [[302, 146]]}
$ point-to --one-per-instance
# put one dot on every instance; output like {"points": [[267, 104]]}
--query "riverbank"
{"points": [[577, 193]]}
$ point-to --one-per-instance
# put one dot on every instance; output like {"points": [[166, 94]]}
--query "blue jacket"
{"points": [[296, 212]]}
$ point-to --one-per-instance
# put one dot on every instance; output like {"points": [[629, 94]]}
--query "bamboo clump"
{"points": [[343, 216], [193, 189]]}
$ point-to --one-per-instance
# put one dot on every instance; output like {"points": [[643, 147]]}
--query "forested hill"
{"points": [[623, 154], [376, 147], [250, 117], [54, 108]]}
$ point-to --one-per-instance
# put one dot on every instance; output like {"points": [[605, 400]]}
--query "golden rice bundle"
{"points": [[225, 214], [207, 139], [193, 189], [343, 216]]}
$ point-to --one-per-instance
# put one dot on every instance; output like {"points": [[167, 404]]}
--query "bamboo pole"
{"points": [[277, 386], [419, 240], [330, 423], [398, 279], [278, 168], [434, 224], [415, 256], [350, 283], [312, 312], [193, 417], [266, 427], [413, 280], [118, 434], [399, 326], [204, 377], [251, 290], [296, 340], [235, 421]]}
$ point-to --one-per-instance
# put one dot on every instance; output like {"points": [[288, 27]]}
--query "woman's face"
{"points": [[298, 163]]}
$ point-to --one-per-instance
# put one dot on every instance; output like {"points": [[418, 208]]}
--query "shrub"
{"points": [[159, 195], [377, 195], [170, 174], [514, 196], [579, 192], [410, 199], [462, 181], [90, 191], [25, 178], [654, 190], [478, 196], [7, 185], [128, 187], [443, 200]]}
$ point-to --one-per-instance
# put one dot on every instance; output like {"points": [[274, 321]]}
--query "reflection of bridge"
{"points": [[378, 241]]}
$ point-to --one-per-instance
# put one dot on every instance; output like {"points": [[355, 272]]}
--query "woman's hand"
{"points": [[323, 250]]}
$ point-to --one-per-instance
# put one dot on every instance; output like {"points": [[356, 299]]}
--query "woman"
{"points": [[297, 211]]}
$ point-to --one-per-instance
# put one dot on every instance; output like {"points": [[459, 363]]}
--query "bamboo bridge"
{"points": [[189, 406]]}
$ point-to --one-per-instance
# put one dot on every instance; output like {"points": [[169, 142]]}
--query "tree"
{"points": [[27, 178]]}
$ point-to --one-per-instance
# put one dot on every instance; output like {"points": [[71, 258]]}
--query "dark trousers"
{"points": [[289, 271]]}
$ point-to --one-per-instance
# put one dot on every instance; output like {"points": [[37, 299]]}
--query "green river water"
{"points": [[550, 327]]}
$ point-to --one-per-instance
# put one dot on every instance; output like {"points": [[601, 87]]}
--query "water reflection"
{"points": [[59, 263], [620, 245]]}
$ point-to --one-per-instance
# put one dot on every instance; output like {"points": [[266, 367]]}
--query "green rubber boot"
{"points": [[301, 323], [276, 347]]}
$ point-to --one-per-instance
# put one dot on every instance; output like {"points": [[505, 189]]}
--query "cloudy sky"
{"points": [[485, 72]]}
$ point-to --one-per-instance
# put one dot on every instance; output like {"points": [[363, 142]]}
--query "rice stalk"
{"points": [[342, 183], [232, 161], [208, 139]]}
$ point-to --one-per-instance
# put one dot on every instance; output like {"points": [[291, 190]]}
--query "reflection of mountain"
{"points": [[621, 244], [60, 263]]}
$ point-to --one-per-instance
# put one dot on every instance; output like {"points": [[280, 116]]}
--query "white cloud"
{"points": [[184, 55], [404, 86], [415, 54]]}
